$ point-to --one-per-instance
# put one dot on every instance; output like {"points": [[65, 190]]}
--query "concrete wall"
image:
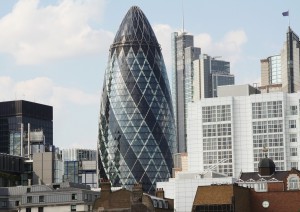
{"points": [[43, 167]]}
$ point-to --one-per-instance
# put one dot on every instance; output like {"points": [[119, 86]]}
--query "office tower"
{"points": [[235, 130], [136, 126], [80, 165], [195, 76], [183, 55], [14, 114], [282, 72], [209, 73]]}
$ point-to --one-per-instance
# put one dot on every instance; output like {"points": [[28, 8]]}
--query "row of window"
{"points": [[220, 143], [274, 126], [268, 140], [214, 157], [42, 198], [292, 184], [277, 154], [41, 209], [216, 130], [271, 109], [216, 113]]}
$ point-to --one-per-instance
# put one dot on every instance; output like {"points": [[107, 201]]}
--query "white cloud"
{"points": [[74, 109], [229, 47], [163, 34], [35, 34], [44, 90]]}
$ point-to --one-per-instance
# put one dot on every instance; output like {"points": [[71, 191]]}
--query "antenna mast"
{"points": [[182, 16]]}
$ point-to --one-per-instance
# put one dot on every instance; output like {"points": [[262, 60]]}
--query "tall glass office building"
{"points": [[183, 55], [282, 72], [136, 127], [15, 113]]}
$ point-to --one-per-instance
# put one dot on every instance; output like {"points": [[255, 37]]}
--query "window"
{"points": [[28, 209], [293, 183], [41, 199], [294, 165], [17, 203], [293, 137], [154, 203], [293, 151], [3, 204], [293, 110], [40, 209], [29, 199], [292, 124], [73, 207], [261, 187], [160, 204], [74, 196], [28, 190]]}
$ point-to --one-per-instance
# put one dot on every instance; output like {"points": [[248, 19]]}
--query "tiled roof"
{"points": [[278, 175]]}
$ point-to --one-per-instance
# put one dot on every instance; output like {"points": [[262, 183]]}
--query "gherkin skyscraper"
{"points": [[136, 126]]}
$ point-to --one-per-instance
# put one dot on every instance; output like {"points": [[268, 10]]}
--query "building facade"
{"points": [[194, 76], [183, 55], [182, 188], [265, 190], [80, 166], [209, 73], [282, 72], [11, 168], [229, 133], [131, 200], [79, 154], [14, 114], [46, 198], [136, 127]]}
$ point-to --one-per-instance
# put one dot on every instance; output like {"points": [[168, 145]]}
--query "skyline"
{"points": [[55, 52]]}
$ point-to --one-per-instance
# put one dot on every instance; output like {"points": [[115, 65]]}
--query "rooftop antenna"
{"points": [[265, 150], [182, 16]]}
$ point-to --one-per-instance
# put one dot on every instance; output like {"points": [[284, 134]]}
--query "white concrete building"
{"points": [[183, 187], [232, 131]]}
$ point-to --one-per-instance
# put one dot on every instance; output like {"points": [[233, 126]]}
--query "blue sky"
{"points": [[55, 51]]}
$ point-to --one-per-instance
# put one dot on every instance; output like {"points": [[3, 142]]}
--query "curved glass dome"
{"points": [[136, 126]]}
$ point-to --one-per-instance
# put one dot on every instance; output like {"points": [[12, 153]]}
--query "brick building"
{"points": [[131, 201], [265, 190]]}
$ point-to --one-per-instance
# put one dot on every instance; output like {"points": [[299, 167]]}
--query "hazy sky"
{"points": [[55, 51]]}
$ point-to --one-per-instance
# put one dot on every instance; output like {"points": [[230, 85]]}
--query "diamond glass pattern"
{"points": [[136, 127]]}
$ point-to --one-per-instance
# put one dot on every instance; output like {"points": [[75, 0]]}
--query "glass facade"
{"points": [[13, 113], [183, 54], [275, 69], [71, 171], [136, 126]]}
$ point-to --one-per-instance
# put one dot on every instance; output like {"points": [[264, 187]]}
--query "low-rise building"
{"points": [[265, 190], [45, 198], [183, 187], [131, 201]]}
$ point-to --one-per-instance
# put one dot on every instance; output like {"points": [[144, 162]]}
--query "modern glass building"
{"points": [[15, 113], [282, 72], [136, 127], [183, 55], [209, 73]]}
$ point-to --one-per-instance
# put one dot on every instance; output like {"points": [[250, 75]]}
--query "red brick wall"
{"points": [[280, 201], [276, 186]]}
